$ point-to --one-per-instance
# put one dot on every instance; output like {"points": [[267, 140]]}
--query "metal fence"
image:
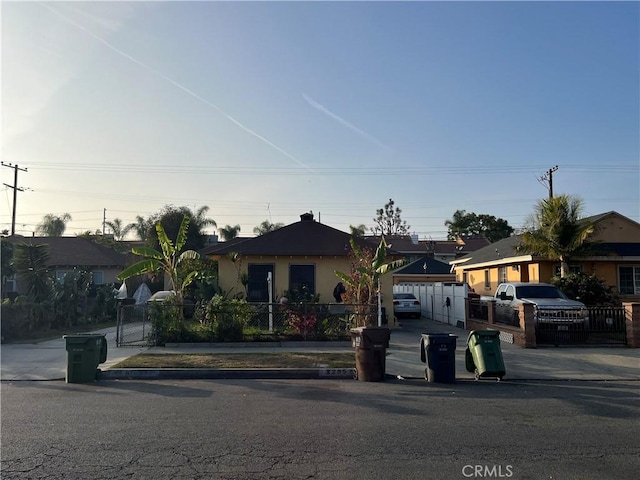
{"points": [[165, 323], [604, 326]]}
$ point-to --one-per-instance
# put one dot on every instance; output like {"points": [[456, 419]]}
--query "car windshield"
{"points": [[404, 296], [539, 291]]}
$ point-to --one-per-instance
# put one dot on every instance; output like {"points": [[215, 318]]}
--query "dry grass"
{"points": [[240, 360]]}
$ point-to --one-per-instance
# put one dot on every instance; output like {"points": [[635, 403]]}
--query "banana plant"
{"points": [[364, 280], [168, 260]]}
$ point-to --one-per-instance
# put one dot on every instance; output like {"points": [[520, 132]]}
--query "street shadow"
{"points": [[178, 389]]}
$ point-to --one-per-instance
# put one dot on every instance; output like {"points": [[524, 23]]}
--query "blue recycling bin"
{"points": [[438, 351]]}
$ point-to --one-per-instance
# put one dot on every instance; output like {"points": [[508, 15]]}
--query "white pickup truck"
{"points": [[551, 305]]}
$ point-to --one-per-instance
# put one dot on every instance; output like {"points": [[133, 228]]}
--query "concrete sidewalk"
{"points": [[47, 360]]}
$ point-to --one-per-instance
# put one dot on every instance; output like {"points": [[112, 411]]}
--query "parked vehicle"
{"points": [[406, 304], [552, 306]]}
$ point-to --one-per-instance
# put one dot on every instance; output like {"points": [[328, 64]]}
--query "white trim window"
{"points": [[629, 279]]}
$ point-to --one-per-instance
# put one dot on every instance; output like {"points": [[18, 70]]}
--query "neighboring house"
{"points": [[303, 254], [69, 253], [615, 259], [444, 251], [425, 269]]}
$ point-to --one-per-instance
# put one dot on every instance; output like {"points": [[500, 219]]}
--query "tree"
{"points": [[53, 225], [266, 227], [118, 230], [555, 230], [228, 232], [171, 218], [141, 227], [168, 260], [358, 231], [200, 221], [30, 262], [7, 268], [388, 221], [362, 282], [469, 224]]}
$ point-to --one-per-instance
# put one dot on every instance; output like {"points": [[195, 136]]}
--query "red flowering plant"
{"points": [[302, 322]]}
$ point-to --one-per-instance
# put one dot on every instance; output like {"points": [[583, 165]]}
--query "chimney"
{"points": [[306, 217]]}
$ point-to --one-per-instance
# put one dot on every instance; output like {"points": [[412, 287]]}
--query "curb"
{"points": [[227, 373], [275, 344]]}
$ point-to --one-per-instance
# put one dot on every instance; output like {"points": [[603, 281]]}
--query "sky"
{"points": [[267, 110]]}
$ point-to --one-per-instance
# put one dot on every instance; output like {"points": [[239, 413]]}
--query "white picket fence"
{"points": [[442, 302]]}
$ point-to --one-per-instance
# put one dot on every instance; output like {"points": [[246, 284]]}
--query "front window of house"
{"points": [[302, 279], [97, 277], [487, 280], [257, 285], [629, 280], [502, 274]]}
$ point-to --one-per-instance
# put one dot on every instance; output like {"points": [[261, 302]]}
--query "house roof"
{"points": [[505, 250], [74, 251], [304, 238], [494, 252], [434, 267]]}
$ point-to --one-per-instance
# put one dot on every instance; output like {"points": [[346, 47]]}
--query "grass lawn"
{"points": [[240, 360]]}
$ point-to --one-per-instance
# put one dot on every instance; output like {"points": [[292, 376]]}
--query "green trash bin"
{"points": [[483, 355], [85, 351]]}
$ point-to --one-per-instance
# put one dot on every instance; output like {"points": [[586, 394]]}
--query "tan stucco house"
{"points": [[305, 253], [615, 259]]}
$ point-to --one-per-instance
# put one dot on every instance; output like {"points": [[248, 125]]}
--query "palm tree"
{"points": [[555, 230], [53, 225], [141, 227], [229, 232], [200, 221], [358, 231], [266, 227], [119, 231]]}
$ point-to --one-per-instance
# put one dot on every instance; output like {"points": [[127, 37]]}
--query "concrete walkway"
{"points": [[48, 360]]}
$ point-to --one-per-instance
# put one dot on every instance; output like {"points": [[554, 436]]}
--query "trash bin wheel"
{"points": [[499, 379], [476, 375]]}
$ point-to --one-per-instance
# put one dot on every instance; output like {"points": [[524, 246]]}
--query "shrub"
{"points": [[229, 317], [589, 289]]}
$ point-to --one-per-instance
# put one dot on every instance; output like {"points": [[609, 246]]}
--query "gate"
{"points": [[442, 302], [606, 326], [133, 326]]}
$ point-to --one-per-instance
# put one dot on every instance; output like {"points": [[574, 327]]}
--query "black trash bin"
{"points": [[438, 351], [371, 345]]}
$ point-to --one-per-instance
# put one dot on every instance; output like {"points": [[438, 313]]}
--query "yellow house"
{"points": [[615, 259], [303, 254]]}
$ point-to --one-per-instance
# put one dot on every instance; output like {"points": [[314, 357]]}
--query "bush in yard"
{"points": [[229, 317], [589, 289], [166, 320]]}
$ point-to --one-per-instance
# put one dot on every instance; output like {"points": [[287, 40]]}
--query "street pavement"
{"points": [[48, 360]]}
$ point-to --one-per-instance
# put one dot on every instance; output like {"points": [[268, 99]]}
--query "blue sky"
{"points": [[265, 110]]}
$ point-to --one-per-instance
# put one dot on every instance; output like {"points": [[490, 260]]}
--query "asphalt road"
{"points": [[327, 429]]}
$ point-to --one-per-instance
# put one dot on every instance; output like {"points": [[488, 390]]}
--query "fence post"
{"points": [[491, 310], [528, 324], [632, 324]]}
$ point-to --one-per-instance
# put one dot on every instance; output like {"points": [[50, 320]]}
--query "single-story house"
{"points": [[425, 269], [615, 259], [70, 253], [303, 254]]}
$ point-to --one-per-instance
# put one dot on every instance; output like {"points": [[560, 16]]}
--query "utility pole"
{"points": [[549, 176], [15, 192], [104, 220]]}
